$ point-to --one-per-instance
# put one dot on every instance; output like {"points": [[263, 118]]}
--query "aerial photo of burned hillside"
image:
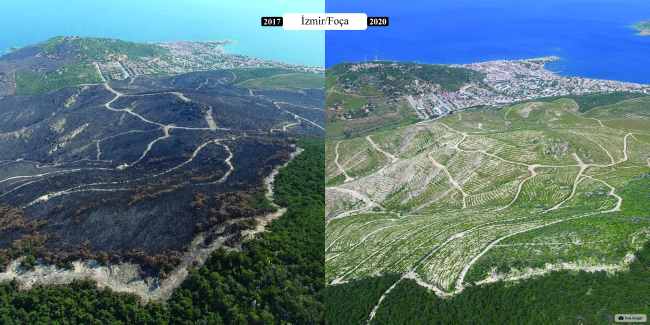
{"points": [[130, 162]]}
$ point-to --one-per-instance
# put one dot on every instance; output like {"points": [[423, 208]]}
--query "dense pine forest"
{"points": [[277, 279], [559, 298], [352, 302]]}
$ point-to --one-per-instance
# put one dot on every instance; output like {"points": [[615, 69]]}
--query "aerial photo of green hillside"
{"points": [[489, 185]]}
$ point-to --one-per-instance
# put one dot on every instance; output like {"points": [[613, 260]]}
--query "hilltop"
{"points": [[66, 61], [364, 96]]}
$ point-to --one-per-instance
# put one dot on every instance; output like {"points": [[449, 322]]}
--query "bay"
{"points": [[594, 38]]}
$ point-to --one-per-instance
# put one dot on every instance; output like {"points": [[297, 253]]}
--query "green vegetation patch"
{"points": [[606, 237], [345, 102], [262, 202], [91, 49], [28, 82], [587, 102], [638, 108], [352, 302], [330, 81], [643, 27], [78, 303], [285, 81], [388, 116], [53, 43]]}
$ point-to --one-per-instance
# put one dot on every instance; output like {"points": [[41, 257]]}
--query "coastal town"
{"points": [[508, 82], [185, 56], [188, 56]]}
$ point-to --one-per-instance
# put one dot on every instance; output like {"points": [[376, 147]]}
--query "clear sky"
{"points": [[25, 22]]}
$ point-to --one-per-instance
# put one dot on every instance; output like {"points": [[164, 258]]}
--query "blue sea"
{"points": [[594, 38], [25, 22]]}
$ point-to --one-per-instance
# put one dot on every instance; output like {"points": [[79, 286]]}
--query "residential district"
{"points": [[186, 56], [513, 81]]}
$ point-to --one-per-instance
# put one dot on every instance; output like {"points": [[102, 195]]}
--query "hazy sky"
{"points": [[24, 22]]}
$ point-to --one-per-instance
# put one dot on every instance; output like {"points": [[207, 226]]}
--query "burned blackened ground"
{"points": [[138, 169]]}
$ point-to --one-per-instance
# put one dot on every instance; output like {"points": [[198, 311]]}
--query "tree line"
{"points": [[278, 277]]}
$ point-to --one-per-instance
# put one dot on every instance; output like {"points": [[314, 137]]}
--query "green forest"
{"points": [[277, 279], [558, 298], [28, 82], [352, 302], [561, 297]]}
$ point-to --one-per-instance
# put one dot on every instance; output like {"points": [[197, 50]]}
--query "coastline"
{"points": [[228, 42], [642, 31], [556, 58], [546, 59], [550, 58], [8, 50]]}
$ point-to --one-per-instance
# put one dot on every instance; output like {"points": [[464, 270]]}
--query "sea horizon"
{"points": [[595, 39], [560, 59], [30, 22]]}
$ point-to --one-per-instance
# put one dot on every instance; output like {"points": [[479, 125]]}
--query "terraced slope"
{"points": [[481, 196]]}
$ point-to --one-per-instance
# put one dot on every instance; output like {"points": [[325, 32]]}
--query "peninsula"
{"points": [[643, 27]]}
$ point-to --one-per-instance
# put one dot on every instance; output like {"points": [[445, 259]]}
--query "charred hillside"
{"points": [[136, 170]]}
